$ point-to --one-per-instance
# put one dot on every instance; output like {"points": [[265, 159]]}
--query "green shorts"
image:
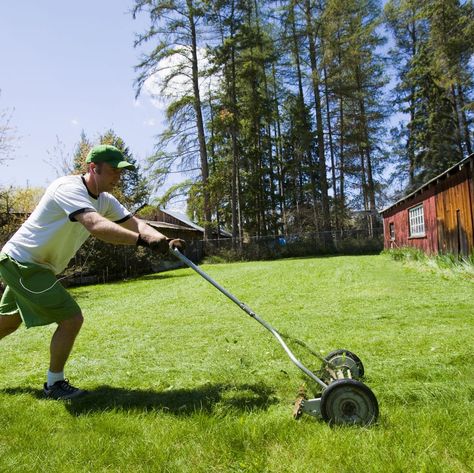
{"points": [[35, 293]]}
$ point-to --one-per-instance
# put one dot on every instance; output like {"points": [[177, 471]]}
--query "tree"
{"points": [[302, 135], [432, 54], [16, 204], [311, 35], [174, 28], [8, 134], [406, 20], [451, 23], [60, 159], [227, 15], [356, 79], [241, 118]]}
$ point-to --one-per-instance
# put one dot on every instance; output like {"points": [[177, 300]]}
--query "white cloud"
{"points": [[150, 122], [75, 121], [179, 84]]}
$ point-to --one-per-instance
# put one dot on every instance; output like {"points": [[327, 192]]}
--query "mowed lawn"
{"points": [[182, 380]]}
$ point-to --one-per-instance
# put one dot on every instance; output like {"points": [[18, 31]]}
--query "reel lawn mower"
{"points": [[344, 399]]}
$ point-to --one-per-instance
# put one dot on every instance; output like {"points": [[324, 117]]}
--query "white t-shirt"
{"points": [[51, 235]]}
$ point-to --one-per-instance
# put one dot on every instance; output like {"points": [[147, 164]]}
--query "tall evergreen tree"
{"points": [[311, 34], [453, 47], [243, 113], [356, 78], [432, 57], [174, 30]]}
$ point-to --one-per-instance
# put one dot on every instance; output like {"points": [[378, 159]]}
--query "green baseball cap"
{"points": [[108, 154]]}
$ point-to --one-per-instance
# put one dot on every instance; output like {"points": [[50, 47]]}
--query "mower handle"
{"points": [[249, 312]]}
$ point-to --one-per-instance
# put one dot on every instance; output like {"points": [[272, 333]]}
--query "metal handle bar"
{"points": [[252, 314]]}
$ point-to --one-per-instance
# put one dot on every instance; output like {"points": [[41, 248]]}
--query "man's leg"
{"points": [[63, 341], [34, 291], [8, 324]]}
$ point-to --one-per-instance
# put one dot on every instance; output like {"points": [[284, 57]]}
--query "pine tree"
{"points": [[433, 51], [174, 30], [452, 51], [356, 79], [243, 113], [309, 10]]}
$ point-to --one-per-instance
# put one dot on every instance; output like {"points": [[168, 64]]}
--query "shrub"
{"points": [[446, 263]]}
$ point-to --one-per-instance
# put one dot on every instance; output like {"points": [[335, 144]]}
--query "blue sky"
{"points": [[67, 67]]}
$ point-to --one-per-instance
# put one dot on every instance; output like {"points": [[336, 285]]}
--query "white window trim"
{"points": [[416, 221]]}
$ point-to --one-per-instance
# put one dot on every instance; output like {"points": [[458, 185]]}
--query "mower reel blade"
{"points": [[298, 408], [298, 405]]}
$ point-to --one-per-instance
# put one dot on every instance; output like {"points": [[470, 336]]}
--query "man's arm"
{"points": [[131, 232], [106, 230], [152, 237], [139, 226]]}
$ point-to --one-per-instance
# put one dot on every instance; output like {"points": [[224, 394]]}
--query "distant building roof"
{"points": [[183, 218], [188, 224], [170, 226]]}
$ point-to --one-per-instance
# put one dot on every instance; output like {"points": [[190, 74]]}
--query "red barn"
{"points": [[438, 217]]}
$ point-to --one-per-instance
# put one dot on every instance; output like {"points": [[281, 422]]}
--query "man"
{"points": [[72, 208]]}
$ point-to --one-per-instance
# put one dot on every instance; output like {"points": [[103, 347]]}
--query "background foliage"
{"points": [[298, 112]]}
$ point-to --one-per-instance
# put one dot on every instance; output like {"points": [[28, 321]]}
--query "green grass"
{"points": [[182, 380]]}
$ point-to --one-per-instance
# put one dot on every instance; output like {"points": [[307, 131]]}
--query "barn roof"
{"points": [[183, 218], [187, 223], [449, 172], [170, 226]]}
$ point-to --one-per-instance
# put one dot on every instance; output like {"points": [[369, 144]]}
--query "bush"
{"points": [[269, 248], [406, 253], [446, 263]]}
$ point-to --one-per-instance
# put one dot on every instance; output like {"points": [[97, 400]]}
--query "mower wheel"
{"points": [[349, 402], [345, 360]]}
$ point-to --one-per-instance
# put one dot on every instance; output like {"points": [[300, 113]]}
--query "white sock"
{"points": [[53, 377]]}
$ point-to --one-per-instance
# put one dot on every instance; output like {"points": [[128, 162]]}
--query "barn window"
{"points": [[392, 231], [417, 221]]}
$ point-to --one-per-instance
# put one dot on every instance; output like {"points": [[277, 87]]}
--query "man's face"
{"points": [[107, 177]]}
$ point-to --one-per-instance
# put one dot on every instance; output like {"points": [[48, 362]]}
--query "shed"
{"points": [[178, 225], [438, 217]]}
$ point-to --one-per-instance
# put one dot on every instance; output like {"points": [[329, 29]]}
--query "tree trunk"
{"points": [[307, 151], [268, 136], [279, 155], [457, 120], [410, 139], [235, 197], [326, 222], [199, 122], [331, 151], [342, 193], [366, 158]]}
